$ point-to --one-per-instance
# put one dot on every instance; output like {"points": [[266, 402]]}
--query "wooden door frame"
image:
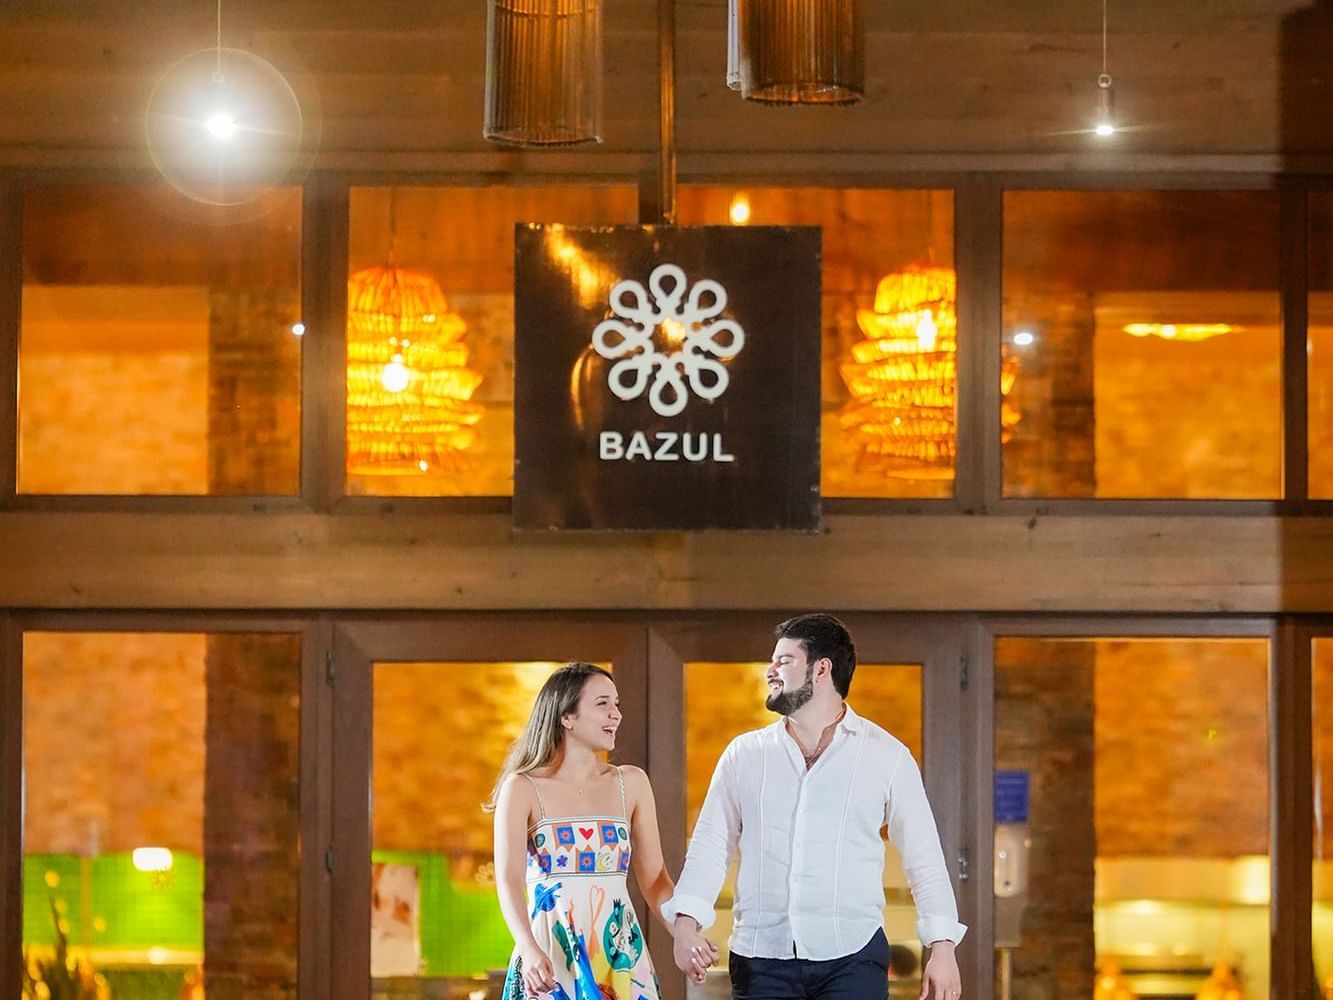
{"points": [[357, 645], [941, 644], [1285, 979]]}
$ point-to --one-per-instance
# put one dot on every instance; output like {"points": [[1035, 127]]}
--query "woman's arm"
{"points": [[513, 806], [650, 869]]}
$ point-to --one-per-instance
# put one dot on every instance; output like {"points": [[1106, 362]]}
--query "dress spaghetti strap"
{"points": [[541, 806], [624, 810]]}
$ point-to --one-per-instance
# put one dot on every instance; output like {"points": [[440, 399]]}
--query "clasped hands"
{"points": [[693, 952]]}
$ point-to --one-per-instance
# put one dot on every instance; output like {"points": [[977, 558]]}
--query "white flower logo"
{"points": [[699, 341]]}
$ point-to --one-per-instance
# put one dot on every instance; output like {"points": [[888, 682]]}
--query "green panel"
{"points": [[128, 908], [463, 932]]}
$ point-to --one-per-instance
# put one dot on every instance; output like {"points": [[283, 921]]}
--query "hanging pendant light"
{"points": [[903, 377], [1104, 124], [543, 72], [409, 389], [797, 51]]}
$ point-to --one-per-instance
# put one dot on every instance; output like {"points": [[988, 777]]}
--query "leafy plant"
{"points": [[61, 977]]}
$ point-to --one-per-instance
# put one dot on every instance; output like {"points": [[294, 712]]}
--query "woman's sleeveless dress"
{"points": [[579, 905]]}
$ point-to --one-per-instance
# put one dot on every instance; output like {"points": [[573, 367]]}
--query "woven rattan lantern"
{"points": [[797, 51], [409, 390], [903, 377], [543, 72]]}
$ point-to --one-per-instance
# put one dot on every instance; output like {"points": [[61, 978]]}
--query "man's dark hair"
{"points": [[822, 635]]}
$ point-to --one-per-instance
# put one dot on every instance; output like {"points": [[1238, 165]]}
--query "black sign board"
{"points": [[667, 378]]}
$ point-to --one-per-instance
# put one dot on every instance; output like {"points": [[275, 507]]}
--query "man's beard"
{"points": [[786, 702]]}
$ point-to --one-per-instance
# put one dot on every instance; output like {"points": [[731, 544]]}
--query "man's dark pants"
{"points": [[860, 976]]}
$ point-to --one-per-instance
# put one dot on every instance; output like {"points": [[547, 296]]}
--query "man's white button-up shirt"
{"points": [[811, 856]]}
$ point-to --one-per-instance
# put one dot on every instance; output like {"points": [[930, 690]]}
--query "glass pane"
{"points": [[1320, 345], [441, 732], [1323, 813], [430, 330], [723, 700], [160, 771], [890, 328], [1147, 825], [156, 351], [1145, 328]]}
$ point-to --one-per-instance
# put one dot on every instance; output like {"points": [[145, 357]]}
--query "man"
{"points": [[803, 801]]}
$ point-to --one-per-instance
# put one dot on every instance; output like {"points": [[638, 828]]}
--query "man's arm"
{"points": [[913, 832], [714, 841]]}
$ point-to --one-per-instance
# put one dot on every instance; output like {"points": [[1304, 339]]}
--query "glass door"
{"points": [[424, 714], [908, 680]]}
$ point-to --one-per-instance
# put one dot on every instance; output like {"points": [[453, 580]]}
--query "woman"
{"points": [[567, 825]]}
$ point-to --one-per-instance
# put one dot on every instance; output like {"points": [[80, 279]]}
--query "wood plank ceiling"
{"points": [[1215, 77]]}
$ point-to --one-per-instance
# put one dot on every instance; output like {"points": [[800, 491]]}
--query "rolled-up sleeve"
{"points": [[912, 830], [713, 844]]}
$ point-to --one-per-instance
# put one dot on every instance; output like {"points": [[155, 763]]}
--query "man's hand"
{"points": [[692, 952], [941, 980]]}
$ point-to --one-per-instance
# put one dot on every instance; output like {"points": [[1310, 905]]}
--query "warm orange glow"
{"points": [[1187, 332], [739, 209], [409, 389], [903, 376]]}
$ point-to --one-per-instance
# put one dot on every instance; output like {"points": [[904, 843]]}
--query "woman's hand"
{"points": [[538, 974]]}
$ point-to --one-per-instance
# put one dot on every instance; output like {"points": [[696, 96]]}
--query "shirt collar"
{"points": [[850, 722]]}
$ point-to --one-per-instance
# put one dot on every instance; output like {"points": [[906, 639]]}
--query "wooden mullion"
{"points": [[324, 256], [11, 303]]}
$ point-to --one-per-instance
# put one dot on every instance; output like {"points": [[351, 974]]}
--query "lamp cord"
{"points": [[1103, 36]]}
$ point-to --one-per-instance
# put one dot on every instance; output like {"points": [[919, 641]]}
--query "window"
{"points": [[159, 351], [890, 324], [1144, 342], [161, 770], [430, 404], [1141, 868]]}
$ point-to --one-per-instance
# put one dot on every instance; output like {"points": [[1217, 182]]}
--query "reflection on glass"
{"points": [[889, 328], [160, 768], [1146, 327], [1322, 706], [1320, 345], [441, 731], [1147, 763], [157, 352], [430, 406], [723, 700]]}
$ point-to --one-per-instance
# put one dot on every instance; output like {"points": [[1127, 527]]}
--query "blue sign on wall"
{"points": [[1011, 796]]}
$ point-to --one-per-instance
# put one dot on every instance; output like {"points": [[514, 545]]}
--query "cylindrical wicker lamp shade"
{"points": [[798, 51], [543, 72]]}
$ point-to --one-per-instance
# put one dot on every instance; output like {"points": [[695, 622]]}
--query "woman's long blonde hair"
{"points": [[544, 734]]}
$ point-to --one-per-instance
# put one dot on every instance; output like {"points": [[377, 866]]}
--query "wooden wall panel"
{"points": [[1069, 563], [1214, 77]]}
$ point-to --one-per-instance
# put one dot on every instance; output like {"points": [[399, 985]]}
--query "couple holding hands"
{"points": [[801, 802]]}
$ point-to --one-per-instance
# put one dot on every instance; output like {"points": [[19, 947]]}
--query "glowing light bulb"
{"points": [[152, 859], [423, 465], [1024, 338], [927, 331], [739, 211], [395, 376], [298, 329], [1105, 126], [221, 125]]}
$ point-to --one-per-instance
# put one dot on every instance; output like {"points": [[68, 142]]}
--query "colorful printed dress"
{"points": [[579, 905]]}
